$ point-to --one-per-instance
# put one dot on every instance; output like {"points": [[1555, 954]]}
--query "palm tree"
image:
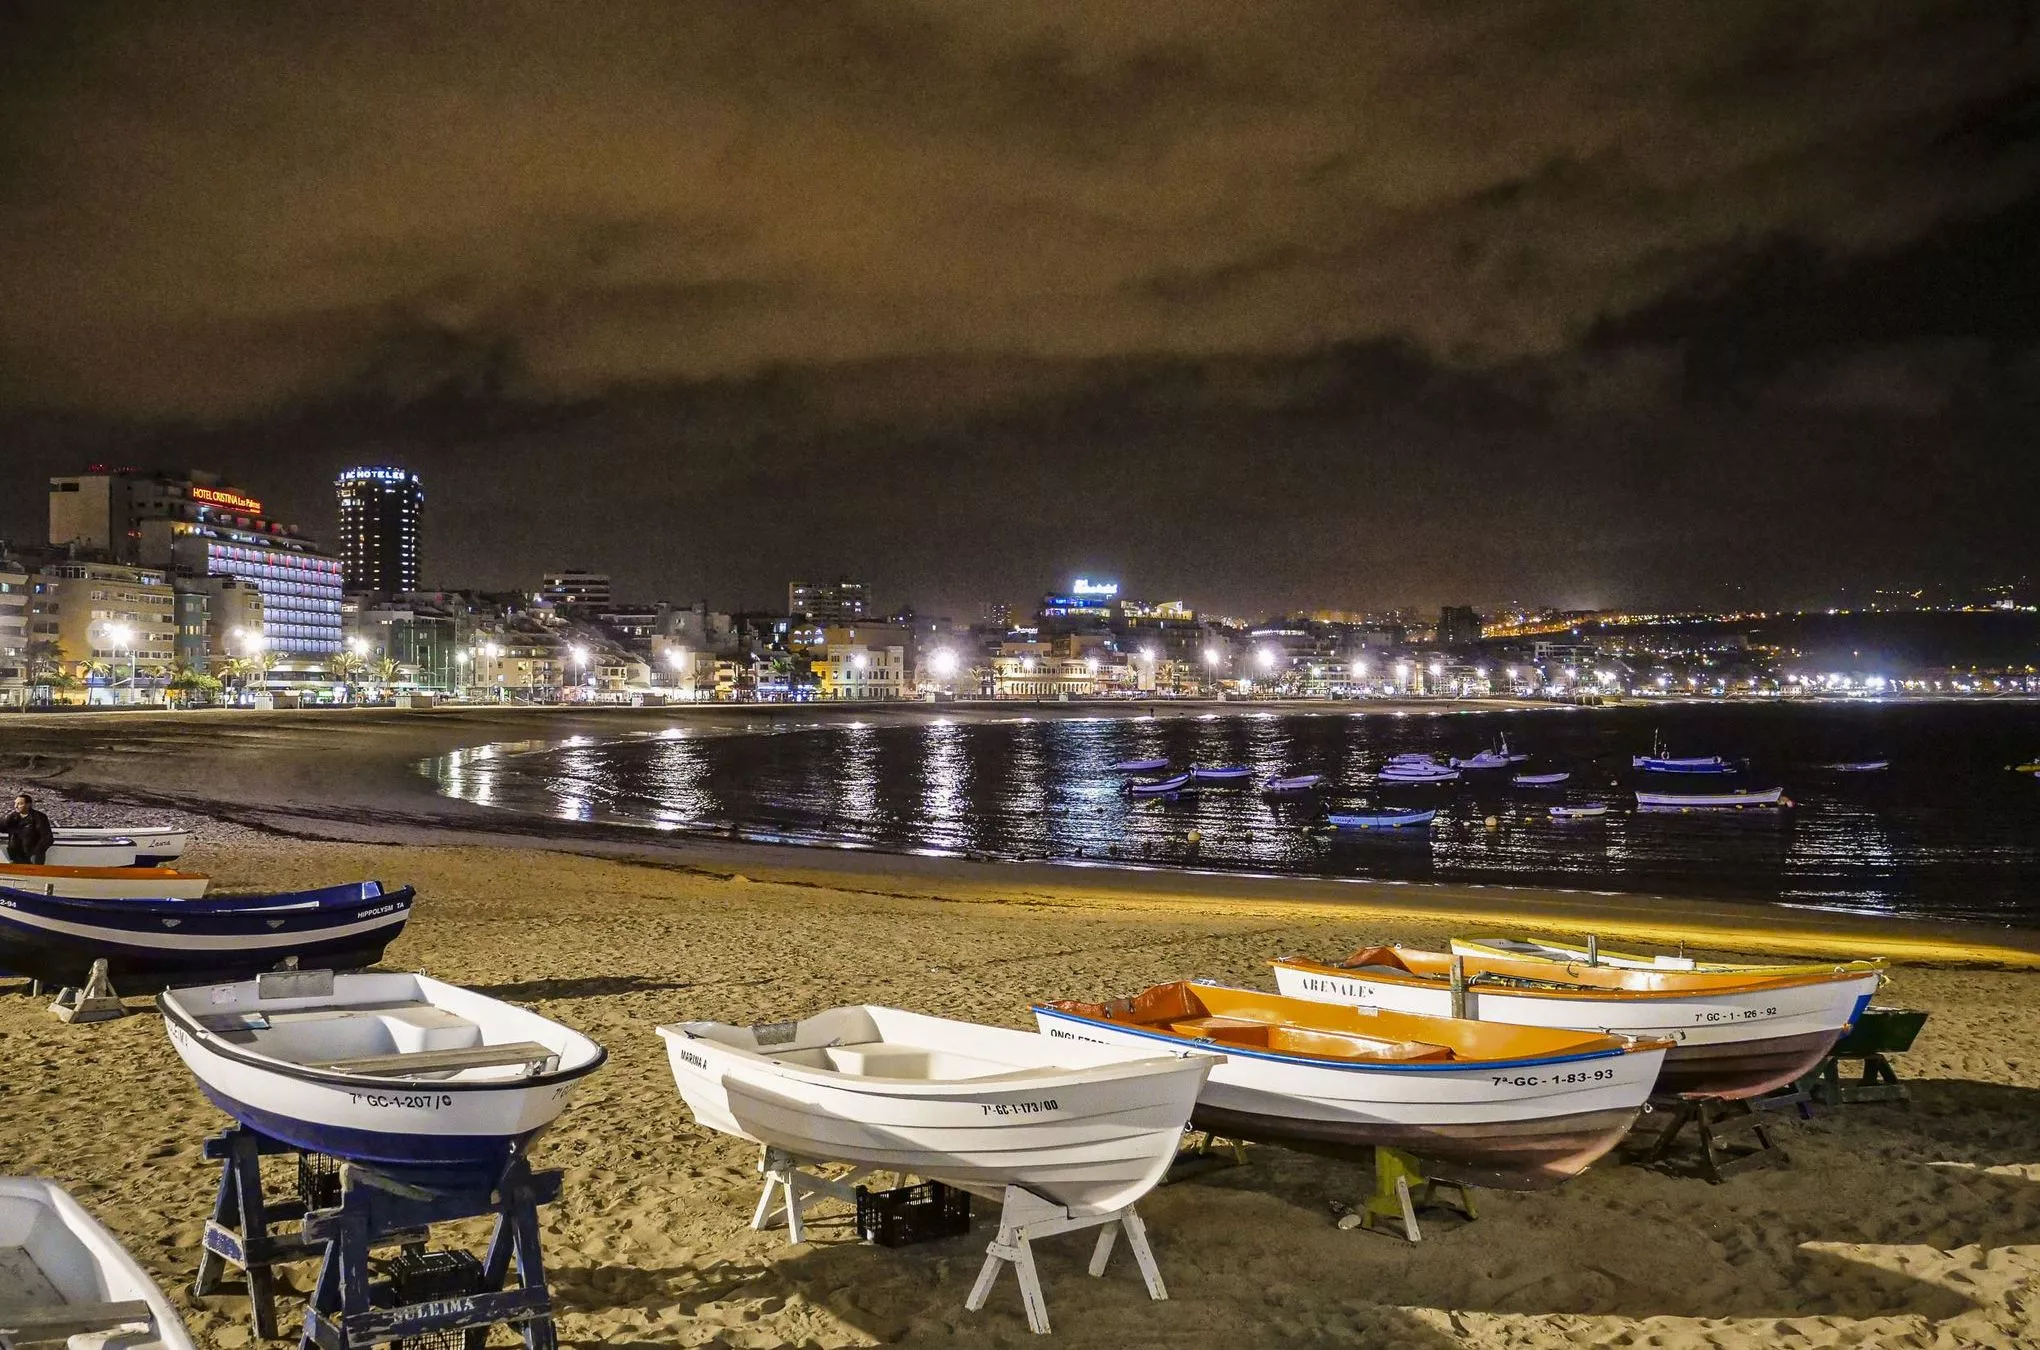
{"points": [[190, 680], [387, 671], [344, 666]]}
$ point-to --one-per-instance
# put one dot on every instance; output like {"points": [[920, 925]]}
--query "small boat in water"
{"points": [[154, 844], [382, 1069], [1536, 949], [1501, 757], [2032, 766], [1381, 820], [1738, 800], [108, 852], [1584, 811], [1138, 766], [1540, 779], [148, 944], [65, 1279], [1509, 1106], [1737, 1035], [1860, 766], [1657, 761], [1165, 787], [1092, 1127], [1301, 782], [1416, 769], [104, 883], [1227, 774]]}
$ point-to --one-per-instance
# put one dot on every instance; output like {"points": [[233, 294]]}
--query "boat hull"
{"points": [[1524, 1125], [1708, 801], [443, 1124], [1731, 1043], [148, 947], [1091, 1141], [153, 846], [91, 853]]}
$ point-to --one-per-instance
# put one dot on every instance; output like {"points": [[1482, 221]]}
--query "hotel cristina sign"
{"points": [[221, 497]]}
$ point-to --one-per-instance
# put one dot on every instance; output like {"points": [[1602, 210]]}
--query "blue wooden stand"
{"points": [[238, 1234], [380, 1206]]}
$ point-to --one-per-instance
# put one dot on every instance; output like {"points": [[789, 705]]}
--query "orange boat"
{"points": [[104, 883], [1516, 1107], [1737, 1035]]}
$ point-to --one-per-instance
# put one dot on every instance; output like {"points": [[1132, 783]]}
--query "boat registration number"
{"points": [[1564, 1079], [401, 1101], [1736, 1015], [1040, 1108]]}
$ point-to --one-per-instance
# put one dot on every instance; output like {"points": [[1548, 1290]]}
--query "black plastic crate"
{"points": [[911, 1214], [425, 1277], [318, 1181]]}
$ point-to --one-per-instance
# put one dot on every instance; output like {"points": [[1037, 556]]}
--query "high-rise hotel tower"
{"points": [[379, 509]]}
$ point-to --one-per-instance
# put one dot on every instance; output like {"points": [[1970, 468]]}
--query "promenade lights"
{"points": [[1213, 657], [358, 645], [943, 664], [1266, 658]]}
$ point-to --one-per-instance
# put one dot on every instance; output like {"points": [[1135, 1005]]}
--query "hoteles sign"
{"points": [[222, 497]]}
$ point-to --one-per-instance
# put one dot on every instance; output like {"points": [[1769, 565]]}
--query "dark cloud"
{"points": [[1341, 282]]}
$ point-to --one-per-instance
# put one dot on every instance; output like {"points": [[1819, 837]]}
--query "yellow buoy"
{"points": [[1492, 823]]}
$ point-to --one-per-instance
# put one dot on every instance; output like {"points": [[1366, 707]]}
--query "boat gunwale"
{"points": [[1046, 1077], [212, 1043], [1758, 984]]}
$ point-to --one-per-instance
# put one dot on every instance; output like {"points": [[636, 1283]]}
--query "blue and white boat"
{"points": [[148, 944], [1238, 773], [1657, 761], [1138, 765], [1381, 820], [388, 1070], [1293, 783], [1164, 787]]}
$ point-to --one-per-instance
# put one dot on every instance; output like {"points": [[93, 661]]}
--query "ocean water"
{"points": [[1948, 831]]}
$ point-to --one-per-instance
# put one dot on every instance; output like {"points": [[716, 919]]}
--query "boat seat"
{"points": [[1344, 1045], [1225, 1032], [60, 1321], [879, 1059], [404, 1063]]}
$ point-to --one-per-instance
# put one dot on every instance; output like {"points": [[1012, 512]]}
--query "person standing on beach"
{"points": [[28, 831]]}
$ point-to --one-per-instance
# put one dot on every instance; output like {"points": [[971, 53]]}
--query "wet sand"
{"points": [[1895, 1225]]}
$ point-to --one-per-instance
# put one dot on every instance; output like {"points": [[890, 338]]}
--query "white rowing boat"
{"points": [[1538, 949], [154, 844], [1737, 1035], [1710, 801], [395, 1070], [64, 1278], [1090, 1128], [1517, 1107], [112, 851]]}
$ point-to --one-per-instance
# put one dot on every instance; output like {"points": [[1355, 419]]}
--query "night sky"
{"points": [[1258, 304]]}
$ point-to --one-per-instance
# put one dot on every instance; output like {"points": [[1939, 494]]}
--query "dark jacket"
{"points": [[29, 836]]}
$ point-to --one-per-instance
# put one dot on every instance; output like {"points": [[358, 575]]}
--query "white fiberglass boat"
{"points": [[154, 844], [1516, 1107], [1711, 801], [1088, 1127], [109, 852], [395, 1070], [64, 1278], [1738, 1035], [1538, 949]]}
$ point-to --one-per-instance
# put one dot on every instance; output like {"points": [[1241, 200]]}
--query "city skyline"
{"points": [[1273, 306]]}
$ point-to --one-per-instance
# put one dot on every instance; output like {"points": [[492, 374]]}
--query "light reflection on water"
{"points": [[1947, 830]]}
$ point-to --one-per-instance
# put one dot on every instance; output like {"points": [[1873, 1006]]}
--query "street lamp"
{"points": [[121, 638], [358, 645]]}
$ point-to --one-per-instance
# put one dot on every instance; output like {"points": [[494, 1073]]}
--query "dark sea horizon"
{"points": [[1949, 831]]}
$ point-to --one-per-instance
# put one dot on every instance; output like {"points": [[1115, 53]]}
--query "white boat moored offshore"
{"points": [[1088, 1127], [64, 1278], [383, 1069], [154, 844], [1710, 801]]}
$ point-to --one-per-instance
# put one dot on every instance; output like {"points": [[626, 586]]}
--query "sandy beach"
{"points": [[1915, 1225]]}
